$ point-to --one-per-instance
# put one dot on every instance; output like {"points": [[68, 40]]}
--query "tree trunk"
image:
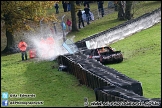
{"points": [[121, 10], [128, 14], [10, 41], [73, 17]]}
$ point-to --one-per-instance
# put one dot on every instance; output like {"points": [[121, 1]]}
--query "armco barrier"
{"points": [[122, 31]]}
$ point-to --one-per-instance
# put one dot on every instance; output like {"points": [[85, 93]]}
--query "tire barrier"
{"points": [[123, 97], [94, 75], [112, 75], [107, 83], [103, 95], [122, 31]]}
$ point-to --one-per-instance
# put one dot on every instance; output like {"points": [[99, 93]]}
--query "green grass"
{"points": [[142, 53], [141, 62], [54, 87]]}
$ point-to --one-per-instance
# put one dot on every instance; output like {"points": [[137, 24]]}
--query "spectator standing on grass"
{"points": [[100, 7], [68, 22], [56, 7], [23, 46], [68, 6], [87, 10], [80, 18], [65, 6]]}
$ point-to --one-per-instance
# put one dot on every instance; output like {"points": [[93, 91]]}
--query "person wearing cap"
{"points": [[23, 46]]}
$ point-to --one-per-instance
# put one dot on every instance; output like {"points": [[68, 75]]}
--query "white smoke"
{"points": [[47, 51]]}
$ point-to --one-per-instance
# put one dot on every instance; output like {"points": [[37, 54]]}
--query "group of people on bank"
{"points": [[86, 11]]}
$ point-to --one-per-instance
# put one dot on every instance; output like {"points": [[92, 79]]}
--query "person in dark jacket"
{"points": [[87, 10], [56, 7], [23, 46], [100, 7], [79, 14], [68, 6], [65, 6]]}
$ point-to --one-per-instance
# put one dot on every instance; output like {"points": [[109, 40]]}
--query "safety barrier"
{"points": [[108, 84], [115, 91], [121, 31], [94, 75]]}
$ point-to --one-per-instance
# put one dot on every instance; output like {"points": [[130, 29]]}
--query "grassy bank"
{"points": [[54, 87], [142, 59]]}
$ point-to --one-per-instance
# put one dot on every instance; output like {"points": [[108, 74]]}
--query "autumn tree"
{"points": [[16, 15]]}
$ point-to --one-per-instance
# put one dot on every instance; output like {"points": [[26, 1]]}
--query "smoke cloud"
{"points": [[48, 45]]}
